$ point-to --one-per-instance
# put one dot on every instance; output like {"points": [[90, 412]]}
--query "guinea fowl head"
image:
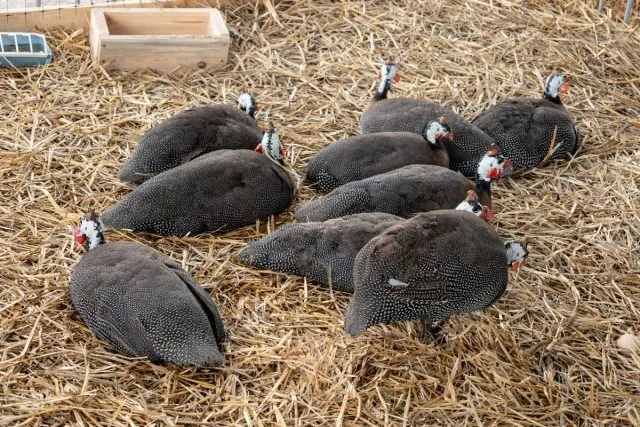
{"points": [[271, 146], [437, 130], [493, 165], [472, 204], [517, 253], [555, 85], [388, 73], [90, 232], [247, 103]]}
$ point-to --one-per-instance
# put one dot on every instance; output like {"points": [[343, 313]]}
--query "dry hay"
{"points": [[545, 354]]}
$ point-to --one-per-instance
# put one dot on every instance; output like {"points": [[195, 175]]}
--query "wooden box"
{"points": [[160, 39]]}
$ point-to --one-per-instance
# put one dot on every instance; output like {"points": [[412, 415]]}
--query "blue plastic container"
{"points": [[23, 50]]}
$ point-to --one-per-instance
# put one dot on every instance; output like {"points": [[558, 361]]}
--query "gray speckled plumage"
{"points": [[186, 136], [314, 249], [402, 192], [523, 128], [363, 156], [219, 191], [469, 142], [427, 267], [144, 304]]}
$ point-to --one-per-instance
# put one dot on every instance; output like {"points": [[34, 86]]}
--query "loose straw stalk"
{"points": [[66, 129]]}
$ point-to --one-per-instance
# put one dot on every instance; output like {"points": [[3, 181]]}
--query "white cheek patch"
{"points": [[381, 86], [434, 130], [554, 83], [92, 230], [486, 164], [245, 100], [387, 73], [465, 206], [515, 252], [271, 145], [468, 207]]}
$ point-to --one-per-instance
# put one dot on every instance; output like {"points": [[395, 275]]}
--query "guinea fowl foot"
{"points": [[432, 332]]}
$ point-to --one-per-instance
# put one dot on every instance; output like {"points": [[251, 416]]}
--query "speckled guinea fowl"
{"points": [[407, 190], [219, 191], [469, 142], [142, 303], [190, 134], [524, 127], [321, 251], [362, 156], [325, 251], [429, 267]]}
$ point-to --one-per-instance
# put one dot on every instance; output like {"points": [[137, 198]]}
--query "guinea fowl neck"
{"points": [[382, 91], [554, 99], [251, 111], [483, 189], [96, 240]]}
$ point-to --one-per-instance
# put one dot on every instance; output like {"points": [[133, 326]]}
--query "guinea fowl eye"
{"points": [[476, 208]]}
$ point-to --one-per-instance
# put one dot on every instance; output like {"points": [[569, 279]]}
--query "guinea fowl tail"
{"points": [[578, 144], [345, 200], [203, 354], [113, 219], [129, 173], [323, 180]]}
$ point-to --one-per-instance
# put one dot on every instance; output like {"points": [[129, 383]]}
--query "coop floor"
{"points": [[545, 354]]}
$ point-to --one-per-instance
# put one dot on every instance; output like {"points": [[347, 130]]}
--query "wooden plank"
{"points": [[151, 44], [154, 22], [98, 26], [70, 16], [217, 26]]}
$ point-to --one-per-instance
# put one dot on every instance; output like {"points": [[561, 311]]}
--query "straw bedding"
{"points": [[545, 354]]}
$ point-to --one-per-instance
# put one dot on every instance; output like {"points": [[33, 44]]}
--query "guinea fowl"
{"points": [[325, 251], [429, 267], [362, 156], [322, 251], [220, 191], [524, 127], [408, 190], [465, 149], [142, 303], [190, 134]]}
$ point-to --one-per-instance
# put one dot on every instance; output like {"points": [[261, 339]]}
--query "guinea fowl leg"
{"points": [[432, 331]]}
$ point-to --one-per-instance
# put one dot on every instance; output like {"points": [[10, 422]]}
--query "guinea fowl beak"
{"points": [[80, 238], [564, 89], [515, 266], [396, 78], [487, 214], [257, 107]]}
